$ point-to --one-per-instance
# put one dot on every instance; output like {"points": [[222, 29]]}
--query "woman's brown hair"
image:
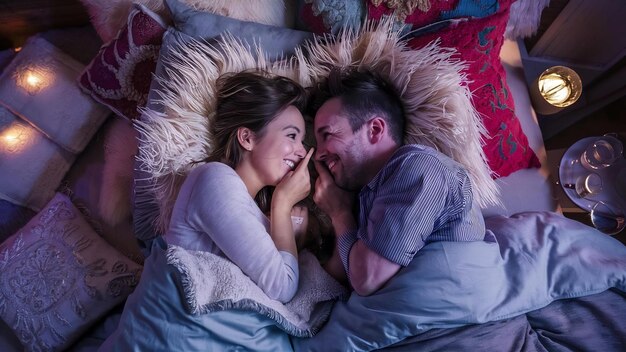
{"points": [[250, 99]]}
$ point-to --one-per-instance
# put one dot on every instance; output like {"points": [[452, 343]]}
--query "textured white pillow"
{"points": [[109, 16], [32, 165], [39, 85], [59, 277], [432, 86]]}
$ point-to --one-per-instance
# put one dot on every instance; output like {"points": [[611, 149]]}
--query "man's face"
{"points": [[342, 151]]}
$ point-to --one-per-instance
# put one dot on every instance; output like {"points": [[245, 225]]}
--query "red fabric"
{"points": [[120, 75]]}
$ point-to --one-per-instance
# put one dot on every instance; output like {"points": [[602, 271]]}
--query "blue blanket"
{"points": [[527, 262]]}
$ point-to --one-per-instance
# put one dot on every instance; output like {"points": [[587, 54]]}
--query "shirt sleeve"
{"points": [[406, 208], [344, 245], [221, 207]]}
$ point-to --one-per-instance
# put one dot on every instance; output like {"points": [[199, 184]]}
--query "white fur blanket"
{"points": [[212, 283]]}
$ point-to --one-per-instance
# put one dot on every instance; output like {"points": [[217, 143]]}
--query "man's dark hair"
{"points": [[363, 94]]}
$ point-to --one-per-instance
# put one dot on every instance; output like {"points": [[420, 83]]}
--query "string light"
{"points": [[15, 138]]}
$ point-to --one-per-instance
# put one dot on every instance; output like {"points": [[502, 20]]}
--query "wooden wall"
{"points": [[20, 19]]}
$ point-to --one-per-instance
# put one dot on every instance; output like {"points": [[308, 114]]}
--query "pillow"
{"points": [[12, 218], [475, 30], [178, 133], [119, 76], [323, 16], [5, 58], [59, 277], [40, 87], [32, 165], [108, 17]]}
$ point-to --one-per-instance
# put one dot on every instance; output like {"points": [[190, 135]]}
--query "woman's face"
{"points": [[280, 149]]}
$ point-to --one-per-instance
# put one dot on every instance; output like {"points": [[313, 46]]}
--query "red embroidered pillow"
{"points": [[120, 75], [475, 29]]}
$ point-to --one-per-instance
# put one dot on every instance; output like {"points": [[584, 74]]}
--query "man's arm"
{"points": [[368, 271]]}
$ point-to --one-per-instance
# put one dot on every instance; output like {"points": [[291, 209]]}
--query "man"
{"points": [[408, 195]]}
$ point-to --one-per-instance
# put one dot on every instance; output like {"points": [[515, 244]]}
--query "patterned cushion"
{"points": [[59, 277], [329, 16], [109, 16], [120, 75]]}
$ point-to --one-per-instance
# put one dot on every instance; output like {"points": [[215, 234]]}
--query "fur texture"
{"points": [[109, 16], [524, 18], [431, 82]]}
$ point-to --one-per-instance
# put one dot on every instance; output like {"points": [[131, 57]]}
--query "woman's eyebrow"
{"points": [[291, 126]]}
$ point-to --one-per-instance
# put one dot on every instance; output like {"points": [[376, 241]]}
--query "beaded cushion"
{"points": [[59, 277]]}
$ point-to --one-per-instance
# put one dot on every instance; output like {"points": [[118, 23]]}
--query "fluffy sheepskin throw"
{"points": [[525, 17], [432, 86]]}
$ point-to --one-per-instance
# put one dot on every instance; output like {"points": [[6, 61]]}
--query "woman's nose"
{"points": [[300, 151]]}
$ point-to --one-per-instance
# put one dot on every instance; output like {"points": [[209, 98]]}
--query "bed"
{"points": [[92, 178]]}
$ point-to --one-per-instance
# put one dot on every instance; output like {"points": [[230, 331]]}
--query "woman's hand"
{"points": [[295, 186], [291, 189]]}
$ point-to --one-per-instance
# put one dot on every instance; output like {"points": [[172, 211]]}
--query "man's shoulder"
{"points": [[420, 155], [420, 161]]}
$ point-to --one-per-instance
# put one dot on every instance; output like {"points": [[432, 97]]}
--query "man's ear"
{"points": [[245, 137], [377, 127]]}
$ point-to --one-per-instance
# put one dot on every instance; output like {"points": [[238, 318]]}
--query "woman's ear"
{"points": [[245, 137]]}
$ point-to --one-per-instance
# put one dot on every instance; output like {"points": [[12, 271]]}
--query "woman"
{"points": [[258, 133]]}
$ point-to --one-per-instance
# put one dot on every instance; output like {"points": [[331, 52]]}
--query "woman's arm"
{"points": [[221, 208]]}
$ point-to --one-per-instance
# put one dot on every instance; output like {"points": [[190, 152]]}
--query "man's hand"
{"points": [[333, 200], [337, 203]]}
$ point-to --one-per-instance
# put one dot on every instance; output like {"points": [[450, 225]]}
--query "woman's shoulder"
{"points": [[215, 174], [212, 169]]}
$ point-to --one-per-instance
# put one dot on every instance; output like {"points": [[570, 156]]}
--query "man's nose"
{"points": [[320, 152]]}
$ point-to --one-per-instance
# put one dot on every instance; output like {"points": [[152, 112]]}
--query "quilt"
{"points": [[528, 265]]}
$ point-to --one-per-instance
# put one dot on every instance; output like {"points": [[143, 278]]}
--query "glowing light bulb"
{"points": [[554, 88], [560, 86], [32, 79], [15, 138]]}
